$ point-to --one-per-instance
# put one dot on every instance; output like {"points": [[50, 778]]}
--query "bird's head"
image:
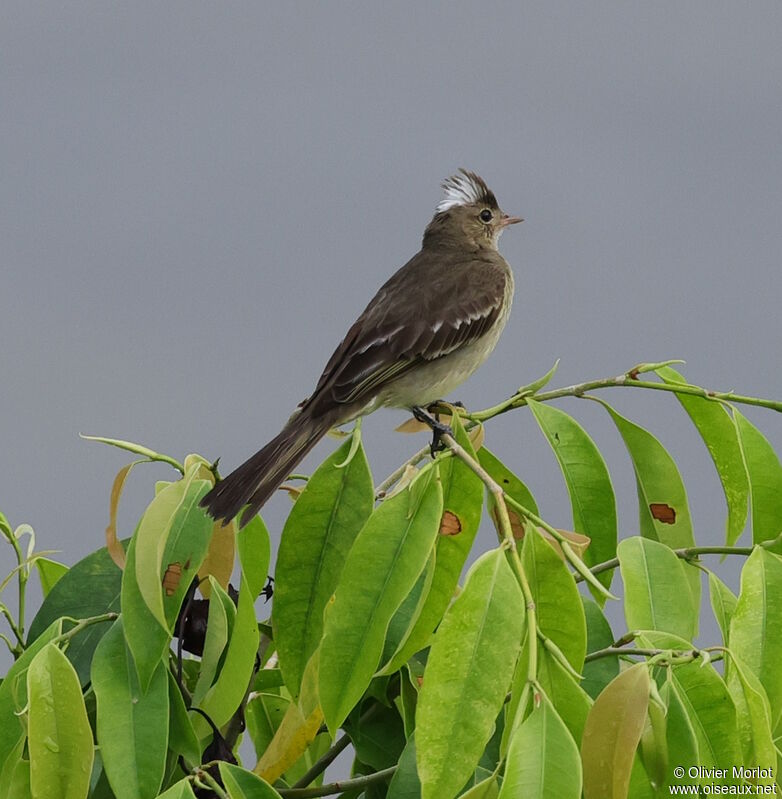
{"points": [[468, 215]]}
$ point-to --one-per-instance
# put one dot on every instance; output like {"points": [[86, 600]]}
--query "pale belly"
{"points": [[436, 379]]}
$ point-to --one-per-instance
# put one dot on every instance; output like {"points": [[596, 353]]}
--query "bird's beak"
{"points": [[509, 220]]}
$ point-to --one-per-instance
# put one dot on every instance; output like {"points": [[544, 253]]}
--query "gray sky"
{"points": [[196, 200]]}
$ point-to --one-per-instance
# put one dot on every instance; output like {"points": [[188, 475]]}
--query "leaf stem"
{"points": [[336, 787], [204, 779], [82, 624]]}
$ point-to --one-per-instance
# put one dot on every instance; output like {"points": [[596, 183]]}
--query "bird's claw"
{"points": [[438, 429]]}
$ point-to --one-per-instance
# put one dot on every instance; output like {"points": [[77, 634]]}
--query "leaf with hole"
{"points": [[664, 513], [720, 437]]}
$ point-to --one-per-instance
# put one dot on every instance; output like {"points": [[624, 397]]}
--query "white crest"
{"points": [[463, 189]]}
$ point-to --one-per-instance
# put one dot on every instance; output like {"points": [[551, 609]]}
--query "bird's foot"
{"points": [[438, 428]]}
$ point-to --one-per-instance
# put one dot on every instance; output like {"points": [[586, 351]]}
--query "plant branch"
{"points": [[320, 765], [627, 380], [564, 544], [395, 476], [685, 553], [336, 787], [662, 657], [14, 629]]}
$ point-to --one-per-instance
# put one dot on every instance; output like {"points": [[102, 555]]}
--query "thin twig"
{"points": [[82, 624], [395, 476], [320, 765], [506, 536], [672, 655], [623, 381], [685, 553], [336, 787]]}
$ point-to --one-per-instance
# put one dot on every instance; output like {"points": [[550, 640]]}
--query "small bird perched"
{"points": [[422, 335]]}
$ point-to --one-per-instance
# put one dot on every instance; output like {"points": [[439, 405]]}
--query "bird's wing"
{"points": [[401, 328]]}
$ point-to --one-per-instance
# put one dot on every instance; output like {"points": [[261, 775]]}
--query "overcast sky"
{"points": [[197, 199]]}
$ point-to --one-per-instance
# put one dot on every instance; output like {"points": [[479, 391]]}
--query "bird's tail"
{"points": [[260, 476]]}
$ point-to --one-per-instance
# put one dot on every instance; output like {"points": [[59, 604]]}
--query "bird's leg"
{"points": [[438, 428]]}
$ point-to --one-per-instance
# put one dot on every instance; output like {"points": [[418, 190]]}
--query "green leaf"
{"points": [[707, 703], [264, 714], [132, 725], [720, 436], [485, 789], [138, 449], [723, 603], [316, 539], [653, 749], [765, 480], [243, 784], [254, 548], [679, 736], [467, 675], [182, 739], [405, 783], [220, 622], [171, 542], [89, 588], [59, 735], [13, 691], [181, 790], [379, 739], [664, 514], [612, 732], [147, 640], [505, 478], [382, 567], [49, 571], [598, 673], [15, 774], [569, 699], [558, 605], [405, 618], [588, 483], [656, 588], [463, 500], [227, 693], [752, 632], [543, 760], [754, 719]]}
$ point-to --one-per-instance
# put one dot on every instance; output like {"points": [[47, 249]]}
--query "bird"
{"points": [[428, 328]]}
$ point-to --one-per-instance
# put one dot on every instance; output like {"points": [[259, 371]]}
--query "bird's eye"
{"points": [[485, 215]]}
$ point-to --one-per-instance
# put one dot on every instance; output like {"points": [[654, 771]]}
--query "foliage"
{"points": [[131, 685]]}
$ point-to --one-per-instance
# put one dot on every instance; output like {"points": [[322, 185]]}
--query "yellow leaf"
{"points": [[112, 542], [297, 731], [219, 561]]}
